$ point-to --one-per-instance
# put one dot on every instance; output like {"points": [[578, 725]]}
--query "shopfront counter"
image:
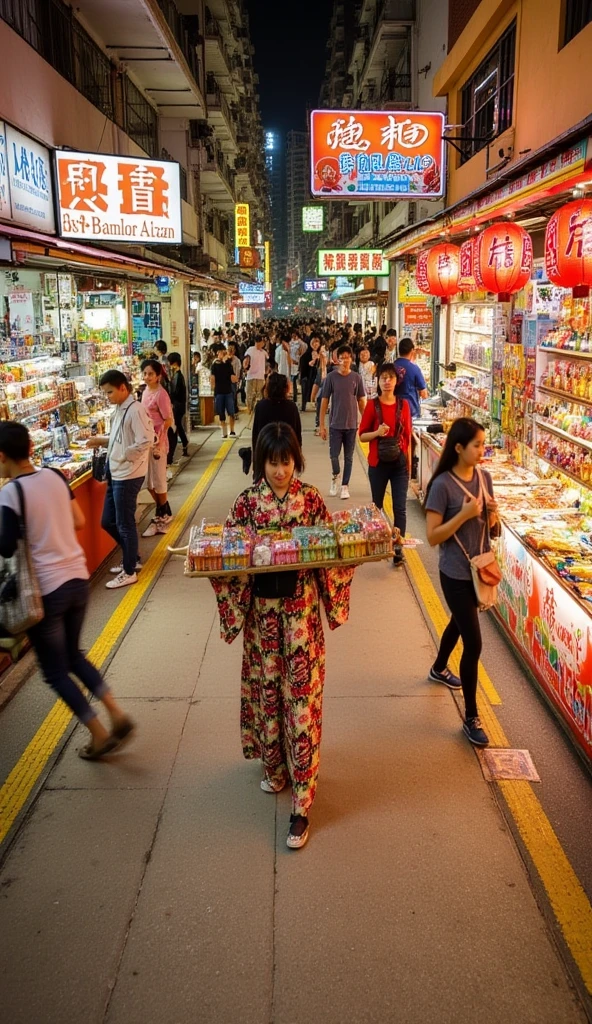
{"points": [[96, 544], [548, 625]]}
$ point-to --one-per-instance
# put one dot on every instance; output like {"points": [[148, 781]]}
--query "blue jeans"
{"points": [[337, 438], [397, 474], [119, 518], [55, 641]]}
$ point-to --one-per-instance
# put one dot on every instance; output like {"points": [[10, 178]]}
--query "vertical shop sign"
{"points": [[267, 274], [29, 179], [377, 154], [242, 227], [21, 312], [124, 199]]}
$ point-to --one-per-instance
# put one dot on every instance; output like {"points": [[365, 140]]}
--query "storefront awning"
{"points": [[547, 180], [34, 244]]}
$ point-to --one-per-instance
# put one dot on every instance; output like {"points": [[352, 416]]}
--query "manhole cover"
{"points": [[508, 764]]}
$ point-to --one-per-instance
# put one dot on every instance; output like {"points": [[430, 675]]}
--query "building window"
{"points": [[578, 14], [488, 97]]}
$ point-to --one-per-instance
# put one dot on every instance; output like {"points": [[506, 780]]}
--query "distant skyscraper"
{"points": [[300, 245], [275, 163]]}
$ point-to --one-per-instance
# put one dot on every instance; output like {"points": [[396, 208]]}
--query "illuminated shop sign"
{"points": [[313, 218], [242, 228], [116, 198], [353, 262], [376, 154], [26, 195]]}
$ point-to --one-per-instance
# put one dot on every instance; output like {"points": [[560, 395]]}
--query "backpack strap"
{"points": [[398, 416], [470, 496]]}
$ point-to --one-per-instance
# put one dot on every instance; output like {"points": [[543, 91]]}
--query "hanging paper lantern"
{"points": [[502, 261], [421, 272], [568, 247], [466, 277], [442, 270]]}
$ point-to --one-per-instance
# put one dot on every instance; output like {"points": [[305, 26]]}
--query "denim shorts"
{"points": [[224, 404]]}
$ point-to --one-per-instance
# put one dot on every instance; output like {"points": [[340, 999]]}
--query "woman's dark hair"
{"points": [[115, 378], [389, 369], [277, 386], [15, 442], [344, 350], [276, 442], [462, 432], [154, 364], [174, 359]]}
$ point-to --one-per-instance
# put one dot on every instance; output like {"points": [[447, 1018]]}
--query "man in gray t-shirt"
{"points": [[346, 391]]}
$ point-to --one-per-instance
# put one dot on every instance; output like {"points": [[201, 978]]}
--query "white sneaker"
{"points": [[164, 524], [152, 528], [345, 492], [333, 487], [116, 569], [169, 475], [123, 580]]}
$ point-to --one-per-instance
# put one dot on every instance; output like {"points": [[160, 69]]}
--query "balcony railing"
{"points": [[140, 119], [212, 158], [216, 100], [185, 29]]}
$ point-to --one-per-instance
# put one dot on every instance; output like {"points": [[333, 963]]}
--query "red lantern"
{"points": [[503, 259], [421, 272], [568, 247], [466, 277], [442, 270]]}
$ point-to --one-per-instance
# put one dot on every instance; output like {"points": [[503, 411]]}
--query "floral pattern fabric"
{"points": [[283, 667]]}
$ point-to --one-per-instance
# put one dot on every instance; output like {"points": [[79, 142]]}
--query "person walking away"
{"points": [[297, 349], [237, 368], [157, 404], [276, 407], [308, 369], [283, 665], [345, 390], [128, 449], [52, 517], [178, 396], [222, 378], [367, 371], [254, 364], [315, 395], [460, 511], [389, 417], [411, 386]]}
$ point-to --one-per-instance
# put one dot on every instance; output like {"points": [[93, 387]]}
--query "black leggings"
{"points": [[461, 599]]}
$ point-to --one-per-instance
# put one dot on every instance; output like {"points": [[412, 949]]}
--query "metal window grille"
{"points": [[488, 97], [141, 121], [578, 14]]}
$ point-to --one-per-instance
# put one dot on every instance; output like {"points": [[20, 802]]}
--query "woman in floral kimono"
{"points": [[283, 669]]}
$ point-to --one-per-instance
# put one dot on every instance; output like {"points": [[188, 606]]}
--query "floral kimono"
{"points": [[283, 669]]}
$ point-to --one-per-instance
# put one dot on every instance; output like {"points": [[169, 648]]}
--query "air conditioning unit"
{"points": [[500, 152]]}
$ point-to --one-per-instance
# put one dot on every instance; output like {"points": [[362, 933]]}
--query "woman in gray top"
{"points": [[459, 497]]}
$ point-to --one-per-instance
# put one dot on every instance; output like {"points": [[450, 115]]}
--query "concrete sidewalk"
{"points": [[158, 887]]}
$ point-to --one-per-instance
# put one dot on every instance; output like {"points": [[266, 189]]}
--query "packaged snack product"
{"points": [[317, 543], [204, 553], [236, 548], [285, 552]]}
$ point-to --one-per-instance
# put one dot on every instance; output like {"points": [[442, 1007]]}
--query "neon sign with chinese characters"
{"points": [[372, 154], [117, 198], [242, 226], [352, 262]]}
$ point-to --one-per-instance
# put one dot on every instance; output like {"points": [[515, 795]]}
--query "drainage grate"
{"points": [[501, 763]]}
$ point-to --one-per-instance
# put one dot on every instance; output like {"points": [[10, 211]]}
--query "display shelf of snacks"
{"points": [[572, 428], [354, 536], [471, 336]]}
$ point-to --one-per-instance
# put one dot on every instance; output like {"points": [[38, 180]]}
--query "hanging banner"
{"points": [[377, 154], [115, 198], [242, 225], [353, 262]]}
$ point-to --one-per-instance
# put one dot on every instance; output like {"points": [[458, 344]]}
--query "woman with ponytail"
{"points": [[459, 497]]}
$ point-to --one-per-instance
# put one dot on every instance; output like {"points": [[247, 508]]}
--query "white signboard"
{"points": [[117, 198], [29, 173], [21, 312], [4, 190]]}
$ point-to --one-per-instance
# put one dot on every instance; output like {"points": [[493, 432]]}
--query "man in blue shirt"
{"points": [[412, 386]]}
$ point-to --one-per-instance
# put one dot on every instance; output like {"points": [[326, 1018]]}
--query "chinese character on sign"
{"points": [[347, 136], [376, 261], [364, 261], [501, 253], [340, 261], [406, 133], [576, 236], [143, 190], [328, 261], [82, 186], [352, 261]]}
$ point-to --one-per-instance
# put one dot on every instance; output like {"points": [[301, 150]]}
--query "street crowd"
{"points": [[362, 383]]}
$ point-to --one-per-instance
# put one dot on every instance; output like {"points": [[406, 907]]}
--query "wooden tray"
{"points": [[255, 570]]}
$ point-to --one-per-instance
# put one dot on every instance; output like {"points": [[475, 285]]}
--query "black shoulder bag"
{"points": [[389, 448]]}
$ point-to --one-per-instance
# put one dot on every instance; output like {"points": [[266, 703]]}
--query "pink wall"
{"points": [[38, 101]]}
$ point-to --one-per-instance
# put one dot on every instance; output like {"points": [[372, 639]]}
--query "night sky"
{"points": [[290, 41]]}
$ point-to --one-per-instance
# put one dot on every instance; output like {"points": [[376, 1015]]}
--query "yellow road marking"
{"points": [[23, 777]]}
